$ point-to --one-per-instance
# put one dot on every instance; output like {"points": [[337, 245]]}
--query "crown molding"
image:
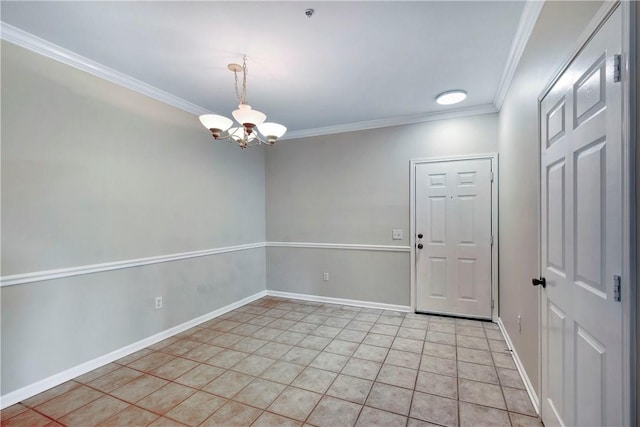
{"points": [[393, 121], [528, 19], [43, 47]]}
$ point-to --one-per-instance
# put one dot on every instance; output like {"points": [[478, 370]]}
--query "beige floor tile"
{"points": [[253, 365], [336, 322], [132, 416], [245, 329], [371, 352], [510, 378], [475, 372], [503, 360], [180, 347], [248, 345], [398, 376], [166, 398], [493, 334], [200, 376], [362, 368], [203, 353], [226, 340], [50, 394], [313, 342], [351, 335], [260, 393], [519, 420], [498, 346], [474, 356], [96, 373], [371, 417], [472, 342], [227, 358], [291, 338], [196, 408], [441, 338], [27, 419], [470, 331], [382, 329], [344, 348], [272, 420], [475, 415], [115, 379], [267, 333], [378, 340], [440, 385], [419, 423], [329, 361], [444, 351], [359, 325], [94, 413], [350, 388], [403, 358], [326, 331], [416, 323], [406, 344], [282, 372], [518, 401], [151, 361], [174, 368], [139, 388], [313, 379], [332, 412], [68, 402], [435, 409], [481, 393], [438, 365], [390, 320], [12, 411], [233, 414], [411, 333], [273, 350], [135, 356], [390, 398], [228, 384], [441, 327], [165, 422], [295, 403]]}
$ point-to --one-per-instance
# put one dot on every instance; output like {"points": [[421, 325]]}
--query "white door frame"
{"points": [[628, 283], [494, 222]]}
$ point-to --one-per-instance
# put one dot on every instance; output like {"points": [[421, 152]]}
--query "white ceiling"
{"points": [[351, 62]]}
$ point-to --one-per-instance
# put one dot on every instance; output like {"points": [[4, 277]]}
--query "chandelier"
{"points": [[245, 135]]}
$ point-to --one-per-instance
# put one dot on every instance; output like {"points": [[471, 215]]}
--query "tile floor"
{"points": [[279, 362]]}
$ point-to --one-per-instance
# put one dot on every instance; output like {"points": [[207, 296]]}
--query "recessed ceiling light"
{"points": [[451, 97]]}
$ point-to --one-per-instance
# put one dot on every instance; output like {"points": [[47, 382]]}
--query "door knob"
{"points": [[420, 236], [420, 246], [541, 281]]}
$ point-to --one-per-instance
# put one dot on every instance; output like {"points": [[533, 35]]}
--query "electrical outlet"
{"points": [[396, 234], [519, 323], [325, 277], [158, 303]]}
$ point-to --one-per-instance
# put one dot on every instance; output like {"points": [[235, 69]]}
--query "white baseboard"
{"points": [[525, 378], [69, 374], [356, 303]]}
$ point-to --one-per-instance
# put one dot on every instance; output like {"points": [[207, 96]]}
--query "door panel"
{"points": [[453, 213], [581, 226]]}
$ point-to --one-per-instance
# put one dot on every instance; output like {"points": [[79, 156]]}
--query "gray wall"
{"points": [[553, 40], [354, 188], [92, 173]]}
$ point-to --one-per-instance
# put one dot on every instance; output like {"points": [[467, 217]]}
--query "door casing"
{"points": [[494, 222], [628, 134]]}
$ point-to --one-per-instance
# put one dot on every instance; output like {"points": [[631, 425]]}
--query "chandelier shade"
{"points": [[248, 118]]}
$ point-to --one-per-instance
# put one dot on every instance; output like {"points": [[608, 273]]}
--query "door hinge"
{"points": [[616, 287], [492, 304], [491, 176], [491, 240], [617, 68]]}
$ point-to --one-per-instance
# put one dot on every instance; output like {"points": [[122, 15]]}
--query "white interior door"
{"points": [[453, 237], [581, 173]]}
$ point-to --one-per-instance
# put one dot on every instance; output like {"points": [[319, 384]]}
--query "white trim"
{"points": [[59, 378], [342, 301], [53, 51], [347, 246], [18, 279], [494, 221], [528, 19], [523, 373], [392, 121]]}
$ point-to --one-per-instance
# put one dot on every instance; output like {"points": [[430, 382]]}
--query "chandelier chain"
{"points": [[242, 96]]}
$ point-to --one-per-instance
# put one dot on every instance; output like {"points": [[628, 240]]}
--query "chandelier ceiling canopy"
{"points": [[249, 119]]}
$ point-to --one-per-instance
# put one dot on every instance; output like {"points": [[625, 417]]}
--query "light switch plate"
{"points": [[396, 234]]}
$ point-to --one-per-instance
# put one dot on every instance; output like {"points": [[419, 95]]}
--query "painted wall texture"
{"points": [[554, 37], [93, 173]]}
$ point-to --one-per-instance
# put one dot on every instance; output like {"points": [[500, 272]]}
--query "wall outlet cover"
{"points": [[396, 234]]}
